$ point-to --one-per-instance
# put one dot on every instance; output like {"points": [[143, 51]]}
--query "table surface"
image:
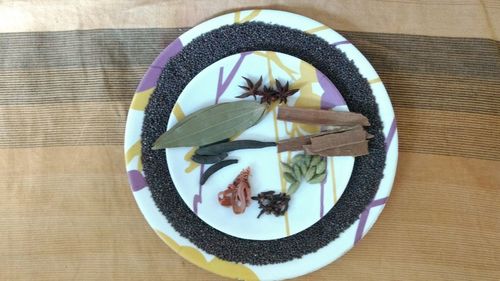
{"points": [[68, 73]]}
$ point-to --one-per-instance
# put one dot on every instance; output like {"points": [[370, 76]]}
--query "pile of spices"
{"points": [[212, 124], [307, 167], [271, 203], [343, 134], [268, 94], [238, 194], [207, 49]]}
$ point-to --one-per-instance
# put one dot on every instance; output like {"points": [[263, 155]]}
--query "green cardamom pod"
{"points": [[315, 160], [317, 178], [212, 124], [298, 159], [307, 160], [303, 168], [321, 167], [310, 173], [289, 178], [293, 187], [287, 168], [296, 172]]}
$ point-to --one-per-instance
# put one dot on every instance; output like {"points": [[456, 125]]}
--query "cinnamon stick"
{"points": [[331, 141], [295, 144], [351, 149], [321, 117]]}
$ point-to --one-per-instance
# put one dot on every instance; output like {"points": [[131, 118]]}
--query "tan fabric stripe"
{"points": [[459, 18], [92, 122]]}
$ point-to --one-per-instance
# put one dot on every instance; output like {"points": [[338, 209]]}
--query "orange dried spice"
{"points": [[238, 193]]}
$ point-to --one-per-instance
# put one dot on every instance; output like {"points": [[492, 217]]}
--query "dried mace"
{"points": [[237, 194]]}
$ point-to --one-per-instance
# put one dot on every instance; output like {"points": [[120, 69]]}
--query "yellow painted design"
{"points": [[317, 29], [334, 183], [216, 265], [141, 99], [192, 165], [375, 80], [253, 14], [132, 152], [178, 113]]}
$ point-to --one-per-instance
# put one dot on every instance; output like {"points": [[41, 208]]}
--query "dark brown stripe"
{"points": [[53, 86], [442, 92], [84, 48], [458, 57], [74, 87]]}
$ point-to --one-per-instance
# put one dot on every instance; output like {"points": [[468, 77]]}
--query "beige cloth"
{"points": [[67, 75]]}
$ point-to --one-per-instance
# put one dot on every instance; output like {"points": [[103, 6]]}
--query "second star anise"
{"points": [[283, 92]]}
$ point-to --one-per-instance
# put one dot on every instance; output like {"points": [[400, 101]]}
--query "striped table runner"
{"points": [[67, 76]]}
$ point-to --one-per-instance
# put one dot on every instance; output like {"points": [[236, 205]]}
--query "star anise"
{"points": [[251, 88], [283, 92], [268, 95]]}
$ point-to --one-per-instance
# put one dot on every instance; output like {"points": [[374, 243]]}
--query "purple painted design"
{"points": [[364, 218], [340, 43], [390, 135], [171, 50], [222, 85], [331, 96], [151, 77], [136, 180], [198, 199]]}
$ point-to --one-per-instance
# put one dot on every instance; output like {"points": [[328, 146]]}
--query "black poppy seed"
{"points": [[232, 39]]}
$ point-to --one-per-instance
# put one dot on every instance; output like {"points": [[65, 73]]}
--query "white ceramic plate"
{"points": [[185, 248]]}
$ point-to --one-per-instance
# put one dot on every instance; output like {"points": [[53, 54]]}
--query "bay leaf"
{"points": [[212, 124]]}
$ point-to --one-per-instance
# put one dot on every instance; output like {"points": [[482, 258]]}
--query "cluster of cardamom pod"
{"points": [[304, 167]]}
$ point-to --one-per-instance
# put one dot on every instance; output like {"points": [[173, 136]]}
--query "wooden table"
{"points": [[67, 75]]}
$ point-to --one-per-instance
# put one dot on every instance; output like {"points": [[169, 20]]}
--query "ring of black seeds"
{"points": [[232, 39]]}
